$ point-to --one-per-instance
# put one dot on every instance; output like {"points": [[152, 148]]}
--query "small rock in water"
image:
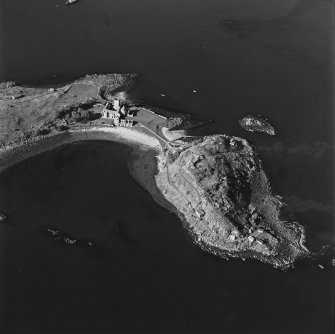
{"points": [[69, 241], [257, 124], [70, 2], [58, 235], [321, 266], [162, 94], [3, 218], [53, 231], [194, 91]]}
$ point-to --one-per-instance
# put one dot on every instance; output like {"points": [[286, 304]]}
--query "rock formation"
{"points": [[223, 196]]}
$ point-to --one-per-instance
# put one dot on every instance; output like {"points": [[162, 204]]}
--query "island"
{"points": [[257, 124], [215, 184]]}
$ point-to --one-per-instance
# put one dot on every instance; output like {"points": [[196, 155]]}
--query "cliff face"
{"points": [[218, 185]]}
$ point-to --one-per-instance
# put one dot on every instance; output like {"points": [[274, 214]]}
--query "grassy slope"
{"points": [[34, 107]]}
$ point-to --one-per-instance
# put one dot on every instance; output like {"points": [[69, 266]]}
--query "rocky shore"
{"points": [[219, 187]]}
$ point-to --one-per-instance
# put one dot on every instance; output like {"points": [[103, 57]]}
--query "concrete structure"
{"points": [[17, 96]]}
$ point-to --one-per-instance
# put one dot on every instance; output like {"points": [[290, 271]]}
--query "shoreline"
{"points": [[144, 168], [14, 154], [215, 184], [173, 135], [144, 165]]}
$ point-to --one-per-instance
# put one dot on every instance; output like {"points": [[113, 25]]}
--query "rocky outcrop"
{"points": [[66, 239], [58, 235], [3, 218], [218, 187], [257, 124]]}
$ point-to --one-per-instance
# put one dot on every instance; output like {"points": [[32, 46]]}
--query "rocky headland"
{"points": [[215, 184]]}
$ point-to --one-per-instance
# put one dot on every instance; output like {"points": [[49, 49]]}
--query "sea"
{"points": [[134, 268]]}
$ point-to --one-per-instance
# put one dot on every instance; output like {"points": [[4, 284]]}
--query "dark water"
{"points": [[271, 57], [143, 274]]}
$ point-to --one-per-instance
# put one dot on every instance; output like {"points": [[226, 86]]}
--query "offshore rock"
{"points": [[219, 189], [58, 235], [257, 124], [71, 2], [3, 218]]}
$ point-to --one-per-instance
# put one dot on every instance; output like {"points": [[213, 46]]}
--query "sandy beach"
{"points": [[126, 135], [14, 154]]}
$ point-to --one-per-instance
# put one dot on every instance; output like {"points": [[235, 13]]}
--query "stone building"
{"points": [[116, 104], [116, 112]]}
